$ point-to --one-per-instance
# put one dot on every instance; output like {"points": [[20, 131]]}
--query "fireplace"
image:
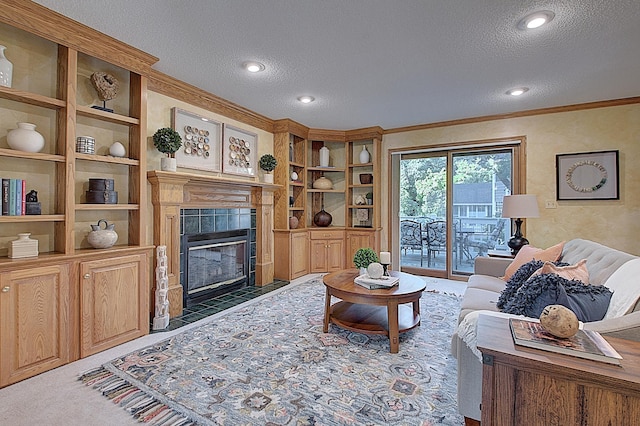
{"points": [[187, 203], [215, 263]]}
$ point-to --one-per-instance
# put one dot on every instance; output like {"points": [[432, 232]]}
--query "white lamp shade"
{"points": [[520, 206]]}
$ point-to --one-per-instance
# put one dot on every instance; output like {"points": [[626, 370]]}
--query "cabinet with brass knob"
{"points": [[35, 328], [114, 301], [326, 248]]}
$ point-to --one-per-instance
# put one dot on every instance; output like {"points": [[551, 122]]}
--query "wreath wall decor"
{"points": [[589, 175]]}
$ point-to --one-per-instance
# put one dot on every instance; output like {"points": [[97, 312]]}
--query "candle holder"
{"points": [[385, 272]]}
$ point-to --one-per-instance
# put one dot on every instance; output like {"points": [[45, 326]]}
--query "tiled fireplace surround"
{"points": [[189, 202]]}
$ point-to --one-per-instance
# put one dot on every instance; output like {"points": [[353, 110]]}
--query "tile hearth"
{"points": [[220, 303]]}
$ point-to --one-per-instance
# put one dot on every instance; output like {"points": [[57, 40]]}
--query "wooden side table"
{"points": [[523, 386]]}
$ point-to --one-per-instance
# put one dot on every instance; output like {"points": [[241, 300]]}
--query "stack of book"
{"points": [[587, 344], [376, 283], [13, 202]]}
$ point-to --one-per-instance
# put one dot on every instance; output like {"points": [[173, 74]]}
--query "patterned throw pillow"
{"points": [[577, 272], [528, 253]]}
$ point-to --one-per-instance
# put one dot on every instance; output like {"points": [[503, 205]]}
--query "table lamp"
{"points": [[518, 207]]}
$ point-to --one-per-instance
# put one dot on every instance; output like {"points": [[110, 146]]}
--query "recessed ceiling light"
{"points": [[536, 19], [253, 66], [306, 99], [517, 91]]}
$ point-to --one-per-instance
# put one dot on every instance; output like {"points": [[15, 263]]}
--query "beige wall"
{"points": [[614, 223], [159, 115]]}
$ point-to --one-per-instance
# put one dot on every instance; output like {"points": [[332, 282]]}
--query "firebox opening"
{"points": [[215, 263]]}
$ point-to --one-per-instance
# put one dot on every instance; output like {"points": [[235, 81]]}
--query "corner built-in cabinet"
{"points": [[53, 59], [352, 201]]}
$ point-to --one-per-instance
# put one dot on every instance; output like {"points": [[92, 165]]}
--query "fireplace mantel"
{"points": [[172, 191]]}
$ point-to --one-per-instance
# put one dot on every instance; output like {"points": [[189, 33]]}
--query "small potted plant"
{"points": [[363, 258], [369, 197], [268, 163], [167, 141]]}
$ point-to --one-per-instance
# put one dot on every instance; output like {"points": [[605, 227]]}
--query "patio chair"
{"points": [[436, 239], [411, 237], [487, 242]]}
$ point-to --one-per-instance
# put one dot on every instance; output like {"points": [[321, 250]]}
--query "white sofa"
{"points": [[484, 289]]}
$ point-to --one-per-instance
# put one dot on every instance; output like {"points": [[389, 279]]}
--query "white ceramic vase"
{"points": [[25, 138], [365, 157], [168, 164], [324, 157], [6, 69], [268, 177]]}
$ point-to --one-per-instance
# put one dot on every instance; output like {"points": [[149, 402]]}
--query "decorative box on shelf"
{"points": [[23, 247], [101, 191]]}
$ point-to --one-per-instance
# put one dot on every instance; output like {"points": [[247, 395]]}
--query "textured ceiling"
{"points": [[382, 62]]}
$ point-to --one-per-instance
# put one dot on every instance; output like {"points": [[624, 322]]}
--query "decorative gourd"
{"points": [[559, 321]]}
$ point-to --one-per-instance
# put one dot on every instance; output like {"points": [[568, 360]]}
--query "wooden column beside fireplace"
{"points": [[172, 191]]}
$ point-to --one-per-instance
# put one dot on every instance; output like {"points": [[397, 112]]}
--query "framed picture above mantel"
{"points": [[587, 176], [239, 152], [201, 140]]}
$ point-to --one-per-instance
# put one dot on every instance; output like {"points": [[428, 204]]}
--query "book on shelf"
{"points": [[5, 197], [586, 344], [376, 283]]}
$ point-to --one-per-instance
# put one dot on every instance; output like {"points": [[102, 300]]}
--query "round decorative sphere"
{"points": [[375, 270], [294, 176], [117, 149], [559, 321], [293, 222], [25, 138], [322, 183]]}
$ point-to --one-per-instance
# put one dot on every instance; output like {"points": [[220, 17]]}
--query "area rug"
{"points": [[269, 363]]}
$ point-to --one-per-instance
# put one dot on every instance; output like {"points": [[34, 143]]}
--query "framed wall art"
{"points": [[201, 140], [587, 176], [239, 151]]}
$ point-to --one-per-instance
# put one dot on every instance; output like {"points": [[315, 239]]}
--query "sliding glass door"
{"points": [[450, 208]]}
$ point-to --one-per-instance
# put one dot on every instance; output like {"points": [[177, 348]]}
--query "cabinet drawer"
{"points": [[326, 235]]}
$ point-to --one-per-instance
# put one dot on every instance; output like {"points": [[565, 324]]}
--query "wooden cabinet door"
{"points": [[114, 302], [318, 256], [34, 322], [335, 255], [356, 240], [299, 255]]}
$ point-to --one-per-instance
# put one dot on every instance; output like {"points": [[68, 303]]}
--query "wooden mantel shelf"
{"points": [[172, 191], [194, 178]]}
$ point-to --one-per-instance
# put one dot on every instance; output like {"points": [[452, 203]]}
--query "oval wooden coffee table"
{"points": [[367, 311]]}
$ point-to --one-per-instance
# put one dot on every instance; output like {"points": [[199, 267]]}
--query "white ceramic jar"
{"points": [[25, 138]]}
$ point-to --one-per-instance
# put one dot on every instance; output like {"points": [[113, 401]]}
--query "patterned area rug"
{"points": [[270, 363]]}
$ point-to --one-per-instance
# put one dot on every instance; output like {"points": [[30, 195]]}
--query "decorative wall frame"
{"points": [[201, 140], [587, 176], [240, 150]]}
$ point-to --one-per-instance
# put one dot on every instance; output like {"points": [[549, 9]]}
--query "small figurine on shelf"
{"points": [[107, 87], [32, 205]]}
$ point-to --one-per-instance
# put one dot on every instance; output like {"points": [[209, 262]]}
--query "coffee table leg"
{"points": [[392, 316], [416, 309], [327, 310]]}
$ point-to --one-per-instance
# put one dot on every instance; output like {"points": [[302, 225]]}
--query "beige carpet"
{"points": [[57, 398]]}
